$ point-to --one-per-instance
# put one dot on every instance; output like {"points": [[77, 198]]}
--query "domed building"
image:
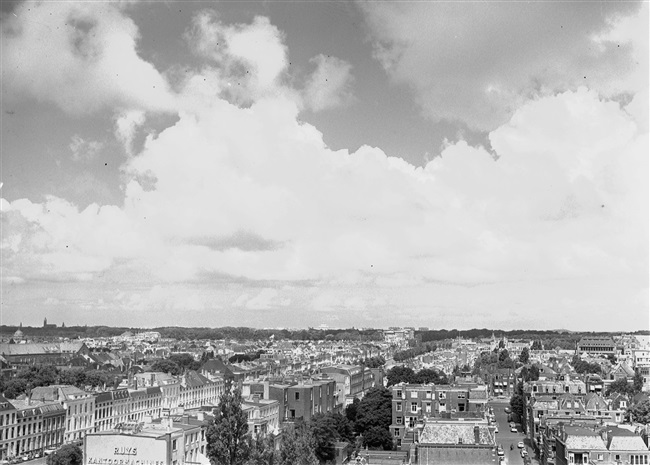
{"points": [[19, 335]]}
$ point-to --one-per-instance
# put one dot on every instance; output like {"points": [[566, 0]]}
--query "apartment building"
{"points": [[351, 381], [79, 406], [111, 408], [28, 427]]}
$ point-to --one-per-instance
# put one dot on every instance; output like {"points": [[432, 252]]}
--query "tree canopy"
{"points": [[374, 410], [68, 454], [227, 437]]}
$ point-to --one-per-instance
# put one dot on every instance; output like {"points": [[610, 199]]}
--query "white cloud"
{"points": [[84, 150], [330, 85], [250, 59], [126, 126], [250, 193], [89, 60], [477, 63]]}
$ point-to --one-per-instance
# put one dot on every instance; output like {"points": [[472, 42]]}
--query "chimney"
{"points": [[477, 435]]}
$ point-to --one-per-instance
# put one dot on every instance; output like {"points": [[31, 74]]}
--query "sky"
{"points": [[450, 164]]}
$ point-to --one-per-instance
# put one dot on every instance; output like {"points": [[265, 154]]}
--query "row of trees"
{"points": [[239, 333], [413, 352], [400, 374], [46, 375]]}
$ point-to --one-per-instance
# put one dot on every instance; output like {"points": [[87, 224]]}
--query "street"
{"points": [[505, 438]]}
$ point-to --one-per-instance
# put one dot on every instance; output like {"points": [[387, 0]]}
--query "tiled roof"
{"points": [[596, 341], [627, 443], [450, 433], [584, 442]]}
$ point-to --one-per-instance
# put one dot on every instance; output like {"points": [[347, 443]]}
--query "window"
{"points": [[398, 420], [414, 407], [414, 395], [399, 393], [399, 407], [396, 432], [174, 444], [461, 395], [297, 395], [600, 456]]}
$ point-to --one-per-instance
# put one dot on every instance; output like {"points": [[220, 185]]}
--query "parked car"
{"points": [[507, 410], [500, 451], [513, 429], [520, 444], [524, 453]]}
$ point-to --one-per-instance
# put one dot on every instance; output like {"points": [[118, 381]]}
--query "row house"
{"points": [[590, 407], [111, 408], [79, 406], [555, 388], [351, 381], [28, 428], [609, 445], [169, 385], [197, 391], [303, 399], [413, 403], [263, 415], [145, 403], [501, 381]]}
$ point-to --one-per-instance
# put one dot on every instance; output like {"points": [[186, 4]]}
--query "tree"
{"points": [[323, 427], [262, 451], [375, 409], [166, 366], [344, 427], [15, 387], [378, 438], [640, 412], [530, 374], [621, 386], [185, 361], [400, 374], [524, 357], [298, 446], [351, 410], [537, 345], [68, 454], [227, 433], [427, 375], [637, 382], [517, 401]]}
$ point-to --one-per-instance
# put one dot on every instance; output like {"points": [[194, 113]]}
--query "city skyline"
{"points": [[366, 164]]}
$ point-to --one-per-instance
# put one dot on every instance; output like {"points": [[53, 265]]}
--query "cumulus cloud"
{"points": [[250, 58], [81, 56], [126, 126], [478, 64], [84, 150], [249, 193], [330, 85]]}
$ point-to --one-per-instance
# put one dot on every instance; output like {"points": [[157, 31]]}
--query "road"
{"points": [[505, 438]]}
